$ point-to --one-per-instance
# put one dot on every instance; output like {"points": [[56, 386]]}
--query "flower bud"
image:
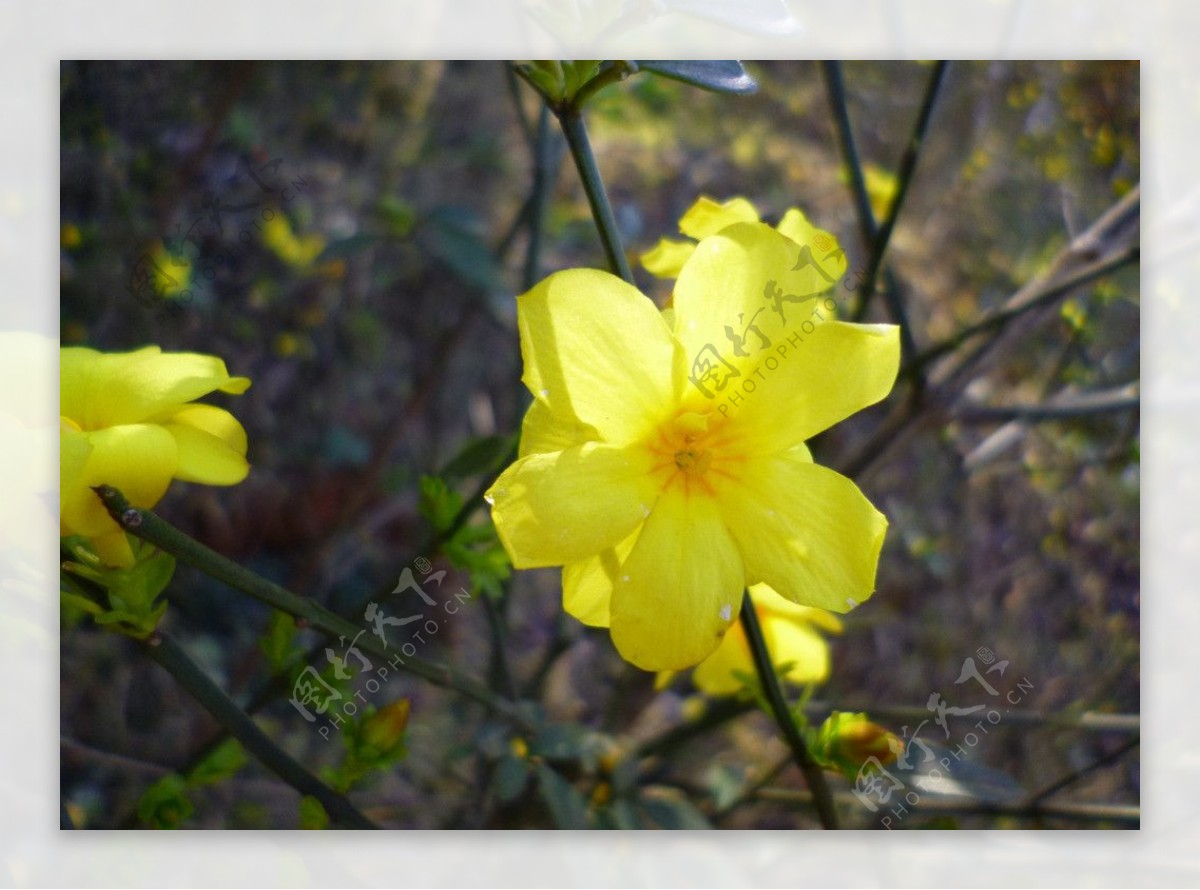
{"points": [[847, 741], [384, 730]]}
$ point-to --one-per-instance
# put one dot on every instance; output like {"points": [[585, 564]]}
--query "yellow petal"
{"points": [[680, 588], [823, 245], [98, 390], [597, 351], [805, 530], [543, 432], [798, 645], [214, 421], [833, 372], [707, 217], [790, 634], [588, 584], [139, 459], [666, 258], [113, 547], [717, 674], [745, 304], [206, 458], [563, 507]]}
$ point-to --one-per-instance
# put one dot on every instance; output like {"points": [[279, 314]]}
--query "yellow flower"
{"points": [[126, 421], [297, 251], [707, 217], [798, 652], [663, 463]]}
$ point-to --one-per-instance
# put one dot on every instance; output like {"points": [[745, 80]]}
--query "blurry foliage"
{"points": [[374, 314]]}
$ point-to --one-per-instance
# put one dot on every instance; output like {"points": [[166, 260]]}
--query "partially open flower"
{"points": [[127, 420]]}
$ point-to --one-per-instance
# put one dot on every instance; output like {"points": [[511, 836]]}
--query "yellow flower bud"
{"points": [[847, 741]]}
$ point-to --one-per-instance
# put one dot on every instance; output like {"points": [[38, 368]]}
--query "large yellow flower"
{"points": [[126, 421], [663, 462]]}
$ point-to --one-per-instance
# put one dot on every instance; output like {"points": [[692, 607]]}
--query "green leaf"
{"points": [[312, 814], [479, 455], [225, 760], [725, 76], [279, 641], [165, 804], [673, 813], [438, 503], [455, 236], [564, 741], [346, 247], [512, 775], [397, 214], [566, 804]]}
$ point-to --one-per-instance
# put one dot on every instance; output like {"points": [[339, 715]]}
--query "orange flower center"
{"points": [[690, 449]]}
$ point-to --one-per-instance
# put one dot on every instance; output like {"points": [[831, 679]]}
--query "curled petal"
{"points": [[111, 389], [666, 258], [707, 217]]}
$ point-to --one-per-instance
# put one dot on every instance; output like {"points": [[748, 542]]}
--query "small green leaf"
{"points": [[312, 815], [673, 813], [725, 76], [565, 741], [279, 641], [165, 804], [346, 247], [397, 214], [479, 455], [225, 760], [455, 236], [512, 775], [438, 503], [566, 804]]}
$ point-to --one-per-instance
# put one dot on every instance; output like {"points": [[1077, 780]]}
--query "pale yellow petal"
{"points": [[597, 351], [138, 459], [543, 432], [680, 589], [99, 390], [666, 258], [805, 530], [563, 507], [707, 217], [205, 458], [588, 584]]}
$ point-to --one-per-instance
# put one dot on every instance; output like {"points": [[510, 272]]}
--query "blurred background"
{"points": [[351, 237]]}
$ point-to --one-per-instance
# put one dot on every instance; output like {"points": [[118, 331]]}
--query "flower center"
{"points": [[691, 458]]}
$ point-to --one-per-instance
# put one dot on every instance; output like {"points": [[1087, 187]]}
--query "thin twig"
{"points": [[171, 657], [813, 775], [1122, 814], [152, 528], [581, 150]]}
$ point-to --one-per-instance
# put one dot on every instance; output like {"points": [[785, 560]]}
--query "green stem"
{"points": [[149, 527], [813, 775], [176, 662], [908, 166], [547, 152], [835, 88], [571, 120]]}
